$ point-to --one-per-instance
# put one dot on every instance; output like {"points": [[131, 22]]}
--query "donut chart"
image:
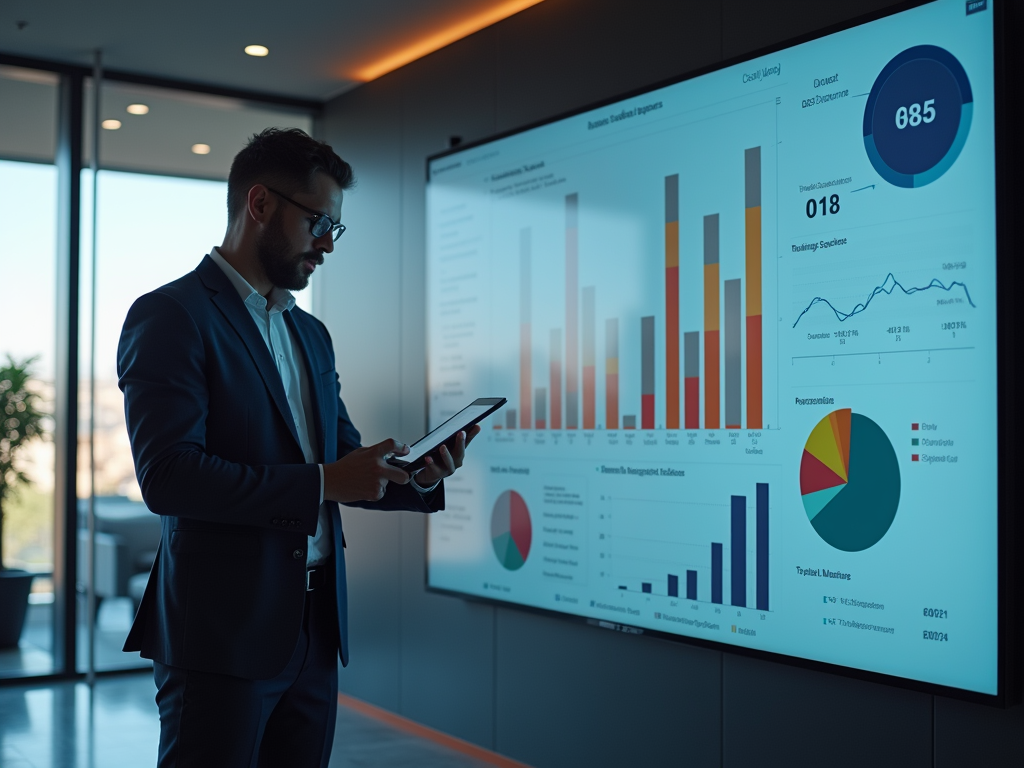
{"points": [[511, 530], [849, 481], [918, 116]]}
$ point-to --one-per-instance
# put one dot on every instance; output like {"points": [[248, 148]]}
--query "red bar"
{"points": [[755, 400], [540, 424], [611, 387], [692, 385], [647, 411], [524, 376], [712, 392], [556, 389], [589, 396]]}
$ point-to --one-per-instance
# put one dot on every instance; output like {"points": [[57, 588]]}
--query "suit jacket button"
{"points": [[274, 521], [298, 554]]}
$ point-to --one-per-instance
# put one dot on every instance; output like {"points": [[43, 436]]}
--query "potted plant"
{"points": [[20, 423]]}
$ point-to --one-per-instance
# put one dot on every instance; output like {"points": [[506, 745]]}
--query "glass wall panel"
{"points": [[28, 262]]}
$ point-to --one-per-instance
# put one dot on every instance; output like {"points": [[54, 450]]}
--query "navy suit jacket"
{"points": [[218, 458]]}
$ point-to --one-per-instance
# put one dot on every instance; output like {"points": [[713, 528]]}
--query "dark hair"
{"points": [[285, 158]]}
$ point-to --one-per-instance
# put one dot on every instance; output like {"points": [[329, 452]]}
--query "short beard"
{"points": [[272, 250]]}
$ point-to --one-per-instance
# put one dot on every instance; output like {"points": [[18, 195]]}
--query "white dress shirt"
{"points": [[269, 319]]}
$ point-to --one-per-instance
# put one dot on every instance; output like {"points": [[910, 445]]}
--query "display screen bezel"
{"points": [[1010, 624]]}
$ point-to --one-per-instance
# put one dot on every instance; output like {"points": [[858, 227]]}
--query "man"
{"points": [[243, 446]]}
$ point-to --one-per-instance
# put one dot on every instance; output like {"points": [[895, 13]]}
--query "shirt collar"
{"points": [[281, 299]]}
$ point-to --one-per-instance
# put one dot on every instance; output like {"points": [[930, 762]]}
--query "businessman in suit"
{"points": [[244, 448]]}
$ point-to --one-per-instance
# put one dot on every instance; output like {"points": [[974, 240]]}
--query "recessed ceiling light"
{"points": [[111, 125], [138, 109], [257, 50], [201, 149]]}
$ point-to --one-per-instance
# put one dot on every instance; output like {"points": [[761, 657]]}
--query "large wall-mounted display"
{"points": [[746, 324]]}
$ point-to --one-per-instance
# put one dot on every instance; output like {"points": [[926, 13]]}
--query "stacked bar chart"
{"points": [[752, 221], [647, 372], [712, 327], [611, 375], [710, 377], [672, 301], [589, 360], [525, 328], [572, 381]]}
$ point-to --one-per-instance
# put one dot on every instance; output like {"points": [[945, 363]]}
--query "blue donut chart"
{"points": [[912, 157]]}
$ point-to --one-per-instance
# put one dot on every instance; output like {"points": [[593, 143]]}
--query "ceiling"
{"points": [[317, 49]]}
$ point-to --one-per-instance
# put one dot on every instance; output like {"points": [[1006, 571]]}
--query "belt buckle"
{"points": [[309, 579]]}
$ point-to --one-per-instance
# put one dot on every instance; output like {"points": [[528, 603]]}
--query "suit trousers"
{"points": [[208, 719]]}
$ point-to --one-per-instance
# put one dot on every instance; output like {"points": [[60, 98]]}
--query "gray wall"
{"points": [[544, 690]]}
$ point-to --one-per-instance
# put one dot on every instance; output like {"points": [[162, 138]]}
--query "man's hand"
{"points": [[363, 475], [450, 460]]}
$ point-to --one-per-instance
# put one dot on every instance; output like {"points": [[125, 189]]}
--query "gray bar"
{"points": [[733, 323], [711, 239], [540, 405], [691, 354], [510, 418], [672, 198], [611, 338], [572, 354], [589, 352], [524, 275], [556, 379], [629, 422], [647, 355], [752, 176], [572, 204]]}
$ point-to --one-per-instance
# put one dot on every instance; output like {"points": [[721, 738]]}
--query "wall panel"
{"points": [[569, 53], [571, 695], [447, 643], [546, 690], [357, 292], [775, 714]]}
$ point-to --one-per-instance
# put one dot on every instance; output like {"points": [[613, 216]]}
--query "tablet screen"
{"points": [[433, 439]]}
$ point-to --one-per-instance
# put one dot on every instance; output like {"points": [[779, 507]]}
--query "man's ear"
{"points": [[258, 203]]}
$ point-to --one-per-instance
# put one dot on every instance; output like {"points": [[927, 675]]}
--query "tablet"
{"points": [[445, 434]]}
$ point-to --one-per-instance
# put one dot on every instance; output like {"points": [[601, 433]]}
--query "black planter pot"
{"points": [[14, 588]]}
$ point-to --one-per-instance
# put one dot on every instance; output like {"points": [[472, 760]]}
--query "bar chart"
{"points": [[713, 549], [709, 377]]}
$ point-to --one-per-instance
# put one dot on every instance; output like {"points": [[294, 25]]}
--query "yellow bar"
{"points": [[611, 365], [711, 301], [671, 244], [753, 223]]}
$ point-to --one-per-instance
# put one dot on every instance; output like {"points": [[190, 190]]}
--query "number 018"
{"points": [[823, 206]]}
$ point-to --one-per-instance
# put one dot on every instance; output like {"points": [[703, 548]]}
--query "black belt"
{"points": [[316, 576]]}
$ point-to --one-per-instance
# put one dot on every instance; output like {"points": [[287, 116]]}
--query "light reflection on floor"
{"points": [[67, 725]]}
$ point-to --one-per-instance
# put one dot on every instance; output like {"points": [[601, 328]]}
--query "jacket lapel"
{"points": [[312, 363], [230, 304]]}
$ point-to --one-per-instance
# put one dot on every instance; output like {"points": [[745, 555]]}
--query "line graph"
{"points": [[888, 285]]}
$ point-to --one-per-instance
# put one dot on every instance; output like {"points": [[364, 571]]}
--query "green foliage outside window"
{"points": [[20, 423]]}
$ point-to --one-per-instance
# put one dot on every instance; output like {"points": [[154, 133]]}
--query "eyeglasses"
{"points": [[319, 223]]}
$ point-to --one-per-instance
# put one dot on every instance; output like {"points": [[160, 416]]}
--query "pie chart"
{"points": [[511, 530], [849, 481]]}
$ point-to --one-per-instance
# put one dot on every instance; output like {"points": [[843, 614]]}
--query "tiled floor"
{"points": [[67, 725], [33, 655]]}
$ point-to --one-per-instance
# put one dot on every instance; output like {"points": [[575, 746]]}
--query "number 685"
{"points": [[915, 114]]}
